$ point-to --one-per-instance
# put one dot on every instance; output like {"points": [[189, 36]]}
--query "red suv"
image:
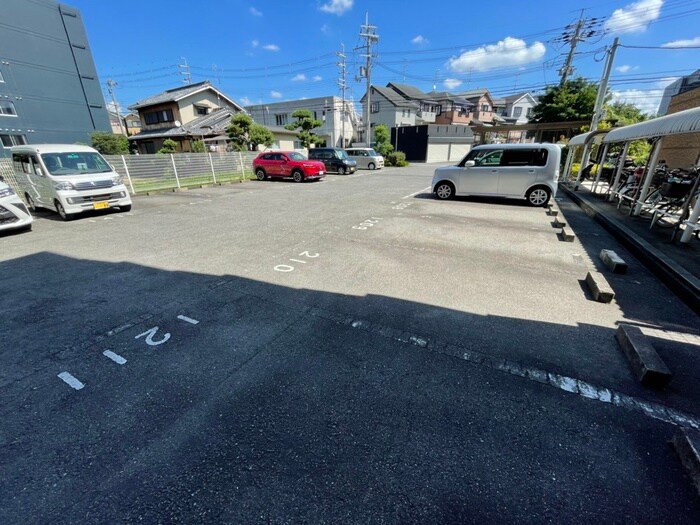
{"points": [[287, 165]]}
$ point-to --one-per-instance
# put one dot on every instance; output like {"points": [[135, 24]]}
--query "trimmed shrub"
{"points": [[396, 158]]}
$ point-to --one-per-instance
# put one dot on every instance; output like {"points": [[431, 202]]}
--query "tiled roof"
{"points": [[409, 92], [175, 94], [393, 97], [214, 123]]}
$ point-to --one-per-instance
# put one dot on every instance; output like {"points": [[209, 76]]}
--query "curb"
{"points": [[645, 362], [687, 445], [679, 280]]}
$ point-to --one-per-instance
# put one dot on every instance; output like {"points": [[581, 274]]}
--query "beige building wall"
{"points": [[682, 151], [204, 99]]}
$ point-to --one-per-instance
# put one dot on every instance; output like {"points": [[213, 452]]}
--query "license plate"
{"points": [[101, 205], [320, 172]]}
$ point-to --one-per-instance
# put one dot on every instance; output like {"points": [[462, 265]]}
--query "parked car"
{"points": [[13, 213], [68, 179], [366, 158], [287, 165], [335, 159], [516, 171]]}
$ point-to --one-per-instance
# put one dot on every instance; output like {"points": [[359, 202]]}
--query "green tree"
{"points": [[306, 124], [198, 146], [169, 146], [245, 134], [382, 141], [109, 143], [575, 100], [624, 114]]}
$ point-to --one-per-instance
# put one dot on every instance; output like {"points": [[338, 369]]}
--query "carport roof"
{"points": [[687, 121], [583, 138]]}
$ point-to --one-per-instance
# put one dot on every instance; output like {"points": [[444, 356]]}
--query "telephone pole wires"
{"points": [[584, 29], [369, 33], [185, 71], [343, 86], [110, 87]]}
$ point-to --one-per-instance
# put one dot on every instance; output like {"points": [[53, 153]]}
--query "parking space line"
{"points": [[114, 357], [71, 381], [416, 193], [187, 319]]}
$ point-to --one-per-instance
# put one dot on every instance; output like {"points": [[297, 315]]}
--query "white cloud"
{"points": [[420, 39], [255, 12], [246, 101], [337, 7], [451, 83], [318, 78], [647, 101], [326, 29], [271, 47], [626, 68], [634, 18], [664, 82], [275, 94], [255, 43], [508, 52], [299, 78], [683, 43]]}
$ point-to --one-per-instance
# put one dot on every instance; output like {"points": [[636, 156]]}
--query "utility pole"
{"points": [[369, 33], [603, 87], [185, 71], [343, 85], [584, 29], [110, 87]]}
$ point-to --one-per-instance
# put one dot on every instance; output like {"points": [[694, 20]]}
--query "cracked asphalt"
{"points": [[363, 353]]}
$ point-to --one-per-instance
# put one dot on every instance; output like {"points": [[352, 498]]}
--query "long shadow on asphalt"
{"points": [[293, 405]]}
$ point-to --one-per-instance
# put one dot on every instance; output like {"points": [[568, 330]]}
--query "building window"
{"points": [[7, 108], [12, 140], [298, 144], [201, 110], [485, 108], [374, 107], [281, 119], [156, 117], [517, 111], [528, 113]]}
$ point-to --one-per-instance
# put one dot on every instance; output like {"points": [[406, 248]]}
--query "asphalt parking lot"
{"points": [[345, 351]]}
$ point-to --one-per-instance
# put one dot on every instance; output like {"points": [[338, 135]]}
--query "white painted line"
{"points": [[187, 319], [415, 193], [114, 357], [72, 381]]}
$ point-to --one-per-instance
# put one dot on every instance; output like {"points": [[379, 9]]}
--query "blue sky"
{"points": [[268, 51]]}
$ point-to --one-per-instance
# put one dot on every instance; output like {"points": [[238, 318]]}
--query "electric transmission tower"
{"points": [[185, 71], [342, 84], [369, 33], [573, 34]]}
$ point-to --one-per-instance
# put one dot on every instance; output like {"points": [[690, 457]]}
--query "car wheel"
{"points": [[371, 165], [298, 176], [538, 196], [61, 211], [126, 208], [444, 191], [30, 202], [341, 170], [260, 174]]}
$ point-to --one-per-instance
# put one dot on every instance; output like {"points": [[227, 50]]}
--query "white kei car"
{"points": [[13, 212]]}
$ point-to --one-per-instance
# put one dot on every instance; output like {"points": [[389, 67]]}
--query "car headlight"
{"points": [[64, 186], [116, 181], [6, 192]]}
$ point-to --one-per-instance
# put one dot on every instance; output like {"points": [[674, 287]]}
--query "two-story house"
{"points": [[180, 114], [452, 109], [340, 124], [483, 106], [518, 108]]}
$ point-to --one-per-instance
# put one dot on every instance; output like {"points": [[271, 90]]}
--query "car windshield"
{"points": [[372, 153], [296, 156], [75, 163], [342, 154]]}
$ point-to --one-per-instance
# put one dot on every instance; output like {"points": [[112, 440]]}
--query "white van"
{"points": [[516, 171], [68, 179], [366, 158], [13, 213]]}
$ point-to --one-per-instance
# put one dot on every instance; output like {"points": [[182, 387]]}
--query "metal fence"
{"points": [[144, 173]]}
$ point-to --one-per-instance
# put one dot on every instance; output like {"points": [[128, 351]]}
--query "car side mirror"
{"points": [[469, 164]]}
